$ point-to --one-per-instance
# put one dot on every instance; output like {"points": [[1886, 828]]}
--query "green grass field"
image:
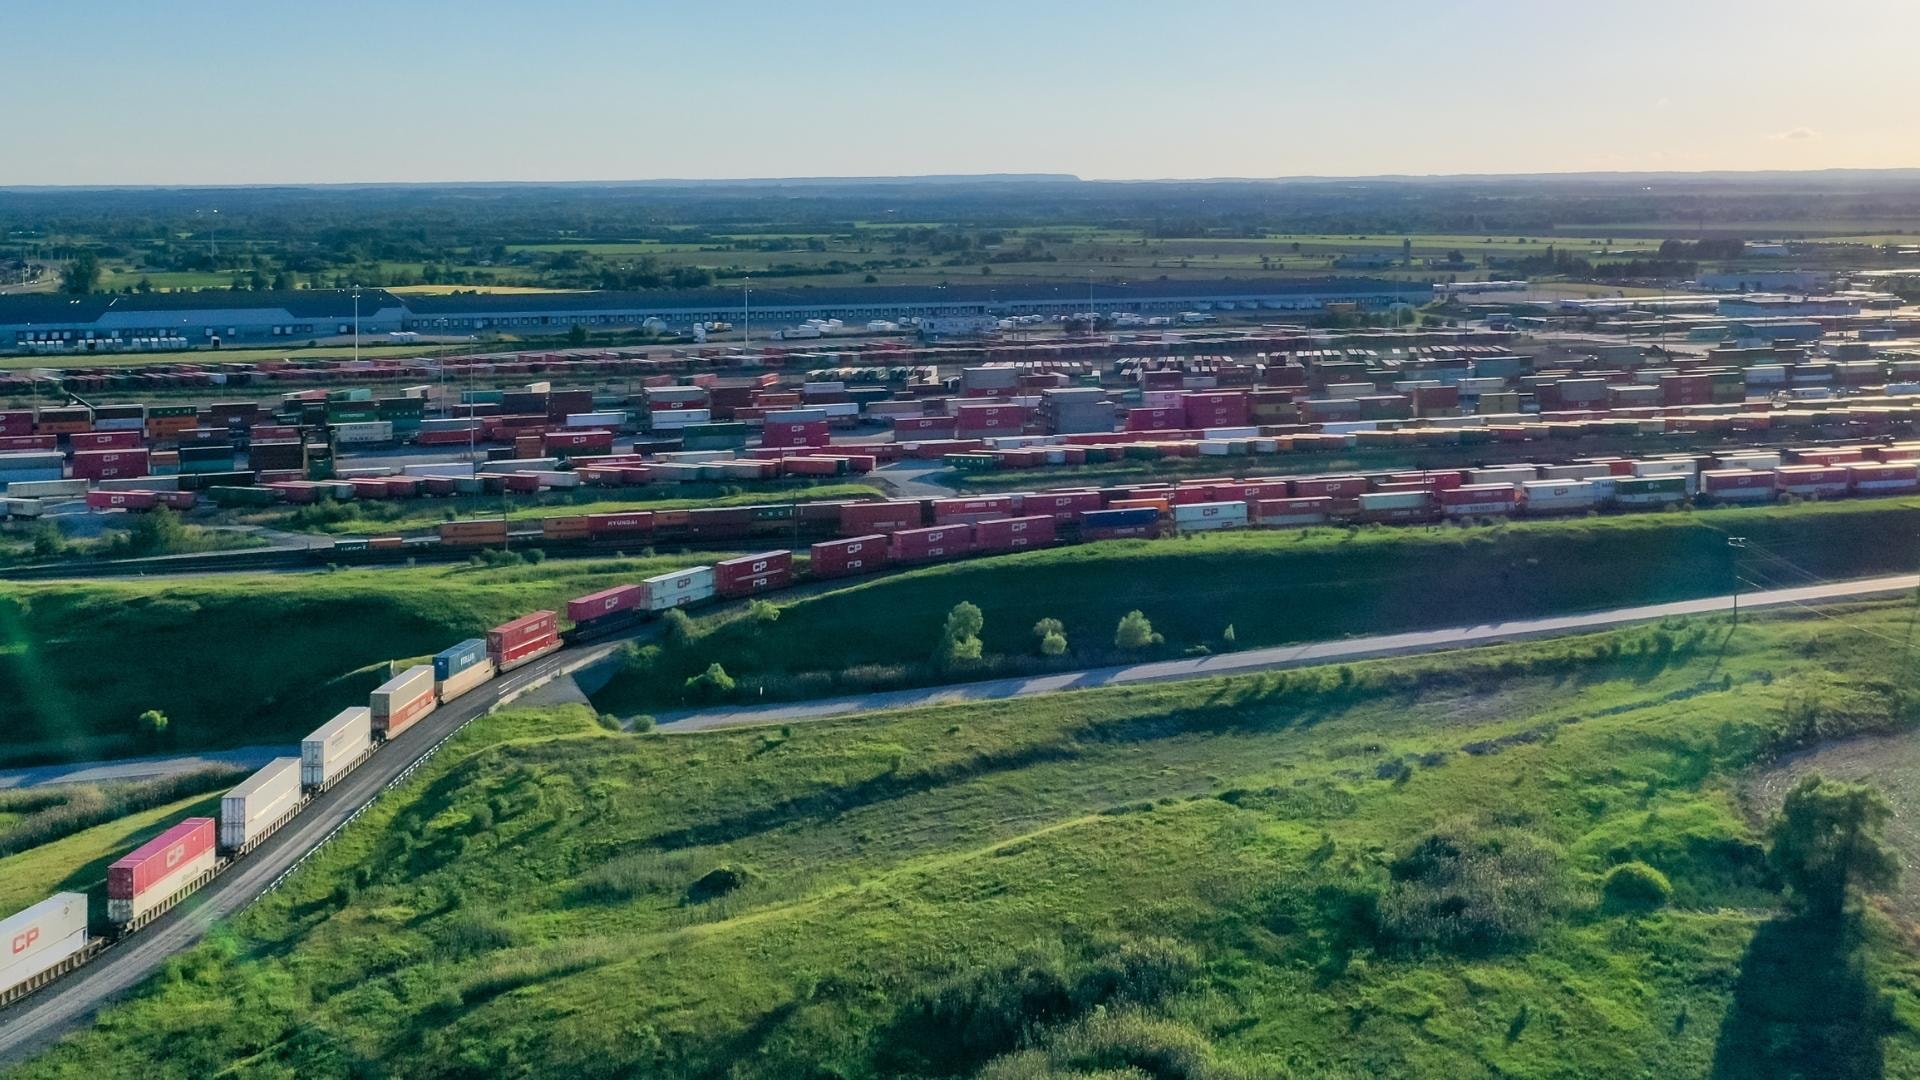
{"points": [[79, 862], [243, 659], [1271, 587], [1214, 879]]}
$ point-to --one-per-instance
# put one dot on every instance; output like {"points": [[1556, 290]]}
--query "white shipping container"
{"points": [[401, 690], [248, 811], [550, 478], [439, 468], [41, 489], [21, 508], [449, 689], [666, 419], [1504, 474], [1549, 496], [1750, 461], [542, 464], [1586, 471], [335, 745], [1197, 517], [1351, 389], [369, 431], [678, 588], [1215, 448], [596, 420], [41, 937], [1230, 432], [1666, 467], [798, 416]]}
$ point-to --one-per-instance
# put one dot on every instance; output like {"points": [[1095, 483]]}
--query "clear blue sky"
{"points": [[224, 92]]}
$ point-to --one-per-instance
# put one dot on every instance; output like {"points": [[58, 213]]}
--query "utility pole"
{"points": [[1735, 544]]}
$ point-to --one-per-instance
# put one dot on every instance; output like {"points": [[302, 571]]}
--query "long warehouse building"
{"points": [[105, 323]]}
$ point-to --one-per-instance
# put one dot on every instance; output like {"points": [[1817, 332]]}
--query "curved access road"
{"points": [[28, 1025], [1282, 656]]}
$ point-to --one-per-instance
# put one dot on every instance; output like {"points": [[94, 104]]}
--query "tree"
{"points": [[1135, 632], [81, 275], [960, 637], [1228, 638], [711, 683], [1053, 636], [1827, 841], [577, 336], [152, 725]]}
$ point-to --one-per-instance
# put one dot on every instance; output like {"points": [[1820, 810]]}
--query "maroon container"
{"points": [[122, 500], [1012, 534], [961, 511], [928, 545], [1061, 505], [109, 464], [622, 524], [853, 555], [751, 574], [606, 602], [510, 637], [857, 519], [1336, 487], [106, 440], [151, 862]]}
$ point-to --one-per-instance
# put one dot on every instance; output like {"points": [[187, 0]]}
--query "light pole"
{"points": [[1734, 545]]}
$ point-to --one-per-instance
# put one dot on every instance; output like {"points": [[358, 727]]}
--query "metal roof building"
{"points": [[173, 320]]}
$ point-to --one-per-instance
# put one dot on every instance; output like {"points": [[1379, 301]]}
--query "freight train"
{"points": [[53, 937]]}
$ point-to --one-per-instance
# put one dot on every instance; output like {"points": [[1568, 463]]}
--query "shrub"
{"points": [[1635, 886], [716, 883], [1053, 645], [1135, 632], [763, 612], [960, 636], [642, 724], [1470, 890], [711, 683]]}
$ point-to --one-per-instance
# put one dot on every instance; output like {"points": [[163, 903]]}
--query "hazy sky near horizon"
{"points": [[223, 92]]}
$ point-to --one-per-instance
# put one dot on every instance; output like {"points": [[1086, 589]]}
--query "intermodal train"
{"points": [[860, 538]]}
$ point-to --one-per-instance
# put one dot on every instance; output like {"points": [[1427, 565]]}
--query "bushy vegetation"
{"points": [[50, 813], [1394, 868], [242, 659], [1271, 588]]}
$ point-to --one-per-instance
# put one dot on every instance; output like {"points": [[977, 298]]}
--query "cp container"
{"points": [[146, 878], [853, 555], [260, 803], [41, 938], [858, 519], [927, 545], [750, 574], [402, 700], [1201, 517], [606, 602], [1014, 534], [334, 746], [679, 588]]}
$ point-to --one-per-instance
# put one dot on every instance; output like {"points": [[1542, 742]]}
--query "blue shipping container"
{"points": [[453, 661], [1120, 519]]}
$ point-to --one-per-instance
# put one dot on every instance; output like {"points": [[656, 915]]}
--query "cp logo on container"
{"points": [[24, 940]]}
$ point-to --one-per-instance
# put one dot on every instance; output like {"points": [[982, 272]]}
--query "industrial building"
{"points": [[104, 323]]}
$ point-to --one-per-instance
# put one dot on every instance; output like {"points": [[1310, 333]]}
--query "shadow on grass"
{"points": [[1803, 1007]]}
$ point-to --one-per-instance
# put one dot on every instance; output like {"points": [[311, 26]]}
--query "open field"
{"points": [[236, 660], [1219, 877], [358, 518], [1271, 587]]}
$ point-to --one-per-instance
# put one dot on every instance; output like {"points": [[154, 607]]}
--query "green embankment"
{"points": [[1272, 588], [244, 659], [79, 862], [1390, 869]]}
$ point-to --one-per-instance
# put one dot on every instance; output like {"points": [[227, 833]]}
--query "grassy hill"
{"points": [[1272, 588], [1387, 869], [248, 658]]}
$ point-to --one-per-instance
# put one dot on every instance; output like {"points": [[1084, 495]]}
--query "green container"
{"points": [[971, 462], [173, 410], [1140, 452], [712, 442], [1648, 485], [243, 496], [773, 512], [483, 397], [351, 545]]}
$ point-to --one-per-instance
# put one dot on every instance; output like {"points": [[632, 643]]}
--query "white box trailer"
{"points": [[261, 802], [48, 489], [448, 689], [334, 746], [41, 938], [1200, 517], [1560, 496], [401, 700]]}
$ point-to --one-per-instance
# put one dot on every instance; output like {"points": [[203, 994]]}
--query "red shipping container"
{"points": [[624, 524], [1155, 419], [1336, 487], [122, 500], [857, 519], [751, 574], [29, 442], [177, 500], [520, 483], [926, 545], [1010, 534], [1471, 494], [16, 423], [106, 440], [1061, 505], [150, 863], [108, 464], [854, 555], [605, 602], [526, 629], [923, 426], [595, 441], [959, 511]]}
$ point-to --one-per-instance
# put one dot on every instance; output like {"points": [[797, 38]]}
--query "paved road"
{"points": [[1282, 656], [29, 1025], [93, 772]]}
